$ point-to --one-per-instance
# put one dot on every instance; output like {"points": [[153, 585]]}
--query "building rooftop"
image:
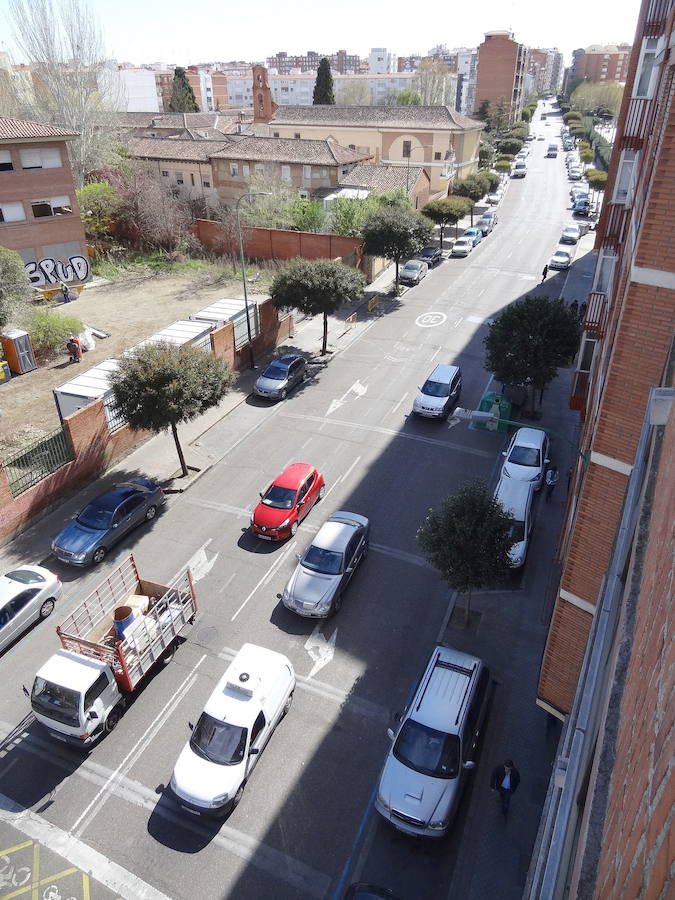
{"points": [[377, 116], [173, 148], [381, 178], [22, 130]]}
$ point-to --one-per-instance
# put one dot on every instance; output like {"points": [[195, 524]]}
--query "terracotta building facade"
{"points": [[601, 63]]}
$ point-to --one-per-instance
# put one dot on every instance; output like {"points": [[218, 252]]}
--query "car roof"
{"points": [[513, 494], [285, 360], [529, 437], [121, 492], [67, 668], [293, 475], [443, 373], [443, 690], [231, 696], [416, 263], [333, 536], [9, 588], [460, 239]]}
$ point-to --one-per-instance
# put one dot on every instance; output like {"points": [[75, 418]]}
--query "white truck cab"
{"points": [[239, 717]]}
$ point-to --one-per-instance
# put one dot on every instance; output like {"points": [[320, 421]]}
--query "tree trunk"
{"points": [[396, 261], [467, 611], [325, 334], [441, 244], [179, 450]]}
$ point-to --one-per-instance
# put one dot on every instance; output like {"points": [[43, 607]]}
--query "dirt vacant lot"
{"points": [[129, 311]]}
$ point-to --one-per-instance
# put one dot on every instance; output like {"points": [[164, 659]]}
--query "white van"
{"points": [[516, 497], [435, 745], [249, 701], [519, 169]]}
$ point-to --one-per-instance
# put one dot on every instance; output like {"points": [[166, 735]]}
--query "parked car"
{"points": [[287, 501], [530, 137], [247, 704], [494, 198], [581, 208], [432, 256], [413, 271], [541, 137], [579, 190], [462, 247], [439, 395], [105, 521], [27, 594], [570, 234], [516, 498], [316, 587], [575, 174], [435, 745], [281, 376], [488, 221], [527, 456], [561, 259], [519, 169], [475, 235]]}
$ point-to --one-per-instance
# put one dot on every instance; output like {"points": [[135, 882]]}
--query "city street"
{"points": [[306, 826]]}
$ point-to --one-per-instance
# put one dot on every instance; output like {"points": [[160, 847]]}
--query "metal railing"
{"points": [[114, 417], [29, 465]]}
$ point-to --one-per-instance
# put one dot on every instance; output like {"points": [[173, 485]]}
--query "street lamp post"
{"points": [[243, 270]]}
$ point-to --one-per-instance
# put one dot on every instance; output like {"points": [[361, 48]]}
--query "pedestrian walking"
{"points": [[574, 307], [544, 274], [505, 779], [66, 293], [552, 477]]}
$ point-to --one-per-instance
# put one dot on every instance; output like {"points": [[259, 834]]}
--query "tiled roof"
{"points": [[194, 121], [381, 178], [19, 129], [374, 116], [173, 148], [290, 150]]}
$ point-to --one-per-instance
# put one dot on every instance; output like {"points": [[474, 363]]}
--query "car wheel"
{"points": [[287, 705], [365, 550], [150, 513], [283, 394], [237, 797], [46, 608], [294, 528], [99, 555], [322, 491], [113, 718]]}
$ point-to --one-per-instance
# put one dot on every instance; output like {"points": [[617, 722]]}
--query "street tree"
{"points": [[347, 215], [468, 538], [307, 215], [474, 187], [98, 202], [394, 234], [182, 96], [503, 165], [161, 385], [597, 182], [498, 115], [15, 290], [446, 211], [316, 287], [529, 341], [510, 145], [432, 83], [323, 87], [354, 93], [408, 98], [586, 156]]}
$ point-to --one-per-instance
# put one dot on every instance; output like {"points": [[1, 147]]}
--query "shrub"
{"points": [[49, 331]]}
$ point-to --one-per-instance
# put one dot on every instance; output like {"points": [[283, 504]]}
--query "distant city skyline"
{"points": [[209, 32]]}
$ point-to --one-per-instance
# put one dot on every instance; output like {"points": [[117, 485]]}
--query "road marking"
{"points": [[402, 555], [430, 319], [349, 471], [266, 577], [478, 320], [459, 321], [392, 432], [399, 402], [357, 389], [199, 564], [109, 873], [320, 648], [221, 507], [134, 754], [435, 354], [453, 421]]}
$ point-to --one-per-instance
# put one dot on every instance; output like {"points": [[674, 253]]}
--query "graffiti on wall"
{"points": [[52, 271]]}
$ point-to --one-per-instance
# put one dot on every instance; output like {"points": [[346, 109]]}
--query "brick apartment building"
{"points": [[341, 62], [545, 66], [39, 215], [601, 63], [502, 65], [609, 662]]}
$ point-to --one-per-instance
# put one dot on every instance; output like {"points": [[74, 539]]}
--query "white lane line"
{"points": [[435, 354], [459, 321], [266, 577], [402, 555], [307, 442], [122, 882], [399, 403], [221, 507], [349, 471], [97, 803], [393, 432]]}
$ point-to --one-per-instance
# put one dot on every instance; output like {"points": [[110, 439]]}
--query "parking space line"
{"points": [[266, 577]]}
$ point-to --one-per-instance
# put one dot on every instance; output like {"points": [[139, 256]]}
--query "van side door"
{"points": [[259, 735]]}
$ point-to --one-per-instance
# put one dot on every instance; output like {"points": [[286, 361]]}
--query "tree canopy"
{"points": [[446, 211], [99, 203], [307, 215], [15, 290], [316, 287], [395, 234], [182, 96], [161, 385], [530, 340], [323, 87], [408, 98]]}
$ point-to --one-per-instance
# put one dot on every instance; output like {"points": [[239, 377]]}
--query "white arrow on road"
{"points": [[357, 389], [320, 649], [199, 564], [453, 421]]}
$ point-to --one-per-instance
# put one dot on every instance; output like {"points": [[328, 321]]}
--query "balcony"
{"points": [[595, 317], [579, 391], [639, 121], [613, 225]]}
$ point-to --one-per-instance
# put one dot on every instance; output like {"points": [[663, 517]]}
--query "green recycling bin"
{"points": [[495, 403]]}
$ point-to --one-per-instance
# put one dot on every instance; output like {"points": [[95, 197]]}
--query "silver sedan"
{"points": [[27, 594], [325, 569]]}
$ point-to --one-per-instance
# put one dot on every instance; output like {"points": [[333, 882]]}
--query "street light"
{"points": [[407, 171], [243, 268]]}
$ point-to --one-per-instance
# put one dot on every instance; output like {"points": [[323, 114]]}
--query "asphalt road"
{"points": [[305, 825]]}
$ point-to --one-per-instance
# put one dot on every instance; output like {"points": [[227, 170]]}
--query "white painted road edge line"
{"points": [[268, 574], [99, 867], [89, 812]]}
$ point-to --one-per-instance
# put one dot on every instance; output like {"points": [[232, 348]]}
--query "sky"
{"points": [[173, 31]]}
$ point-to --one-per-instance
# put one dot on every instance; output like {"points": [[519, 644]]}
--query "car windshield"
{"points": [[427, 751], [435, 388], [219, 742], [279, 497], [55, 702], [525, 456], [275, 372], [429, 251], [410, 267], [25, 576], [327, 562], [517, 532], [95, 516]]}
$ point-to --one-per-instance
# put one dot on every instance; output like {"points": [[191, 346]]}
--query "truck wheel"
{"points": [[99, 555], [168, 654], [46, 608], [113, 718]]}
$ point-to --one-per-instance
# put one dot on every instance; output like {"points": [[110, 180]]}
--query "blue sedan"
{"points": [[106, 520]]}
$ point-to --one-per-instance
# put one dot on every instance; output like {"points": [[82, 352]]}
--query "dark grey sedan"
{"points": [[105, 521], [325, 569], [281, 376]]}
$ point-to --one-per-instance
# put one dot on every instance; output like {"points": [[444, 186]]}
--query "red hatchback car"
{"points": [[287, 501]]}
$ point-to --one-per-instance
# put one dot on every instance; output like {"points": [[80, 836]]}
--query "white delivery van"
{"points": [[249, 701], [516, 497]]}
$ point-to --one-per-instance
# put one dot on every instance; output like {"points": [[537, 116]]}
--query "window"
{"points": [[40, 158], [258, 726], [437, 156], [407, 146], [245, 170], [206, 183], [55, 206], [259, 168], [352, 146], [307, 173], [275, 134], [296, 135], [234, 170], [165, 174], [95, 691], [623, 187], [192, 179], [285, 173], [6, 161], [646, 69], [179, 178], [12, 212]]}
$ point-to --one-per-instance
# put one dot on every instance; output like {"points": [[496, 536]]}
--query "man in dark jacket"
{"points": [[505, 779]]}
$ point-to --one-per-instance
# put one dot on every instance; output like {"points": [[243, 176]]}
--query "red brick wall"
{"points": [[497, 57], [564, 652]]}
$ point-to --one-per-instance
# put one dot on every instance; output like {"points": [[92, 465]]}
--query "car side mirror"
{"points": [[298, 556], [397, 717], [25, 690], [254, 751], [469, 764], [278, 596], [390, 734], [503, 452], [191, 726], [260, 494], [92, 714]]}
